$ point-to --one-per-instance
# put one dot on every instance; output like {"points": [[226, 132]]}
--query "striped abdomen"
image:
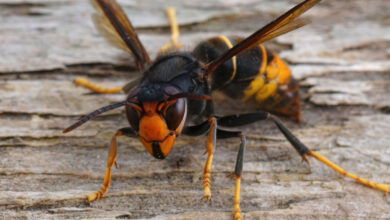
{"points": [[255, 75]]}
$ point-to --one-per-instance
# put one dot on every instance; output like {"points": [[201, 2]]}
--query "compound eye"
{"points": [[175, 113], [133, 116]]}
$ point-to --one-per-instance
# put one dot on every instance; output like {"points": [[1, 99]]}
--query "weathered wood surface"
{"points": [[342, 60]]}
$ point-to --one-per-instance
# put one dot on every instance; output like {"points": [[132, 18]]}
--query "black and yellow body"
{"points": [[177, 87], [255, 75]]}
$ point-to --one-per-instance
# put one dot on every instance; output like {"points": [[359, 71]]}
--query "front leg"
{"points": [[211, 126], [215, 133], [110, 161], [210, 145]]}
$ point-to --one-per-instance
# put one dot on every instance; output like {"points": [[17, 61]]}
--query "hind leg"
{"points": [[222, 134], [95, 87], [174, 44], [238, 120]]}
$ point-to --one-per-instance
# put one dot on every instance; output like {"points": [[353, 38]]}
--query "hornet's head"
{"points": [[157, 108], [157, 116]]}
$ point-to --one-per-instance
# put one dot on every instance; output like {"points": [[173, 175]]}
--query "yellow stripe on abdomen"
{"points": [[266, 91], [269, 78], [234, 59], [255, 85], [284, 75], [258, 82]]}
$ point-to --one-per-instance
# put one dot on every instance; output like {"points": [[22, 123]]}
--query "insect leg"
{"points": [[215, 133], [238, 120], [307, 152], [238, 168], [210, 145], [211, 126], [110, 161], [174, 44], [94, 87]]}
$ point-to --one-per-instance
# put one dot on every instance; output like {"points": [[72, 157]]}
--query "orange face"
{"points": [[158, 124]]}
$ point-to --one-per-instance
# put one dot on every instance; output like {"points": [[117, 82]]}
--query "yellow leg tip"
{"points": [[384, 187], [170, 10], [207, 194], [378, 186], [92, 197], [237, 215], [79, 81]]}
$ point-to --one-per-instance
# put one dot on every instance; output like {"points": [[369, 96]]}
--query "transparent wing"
{"points": [[285, 23], [112, 23]]}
